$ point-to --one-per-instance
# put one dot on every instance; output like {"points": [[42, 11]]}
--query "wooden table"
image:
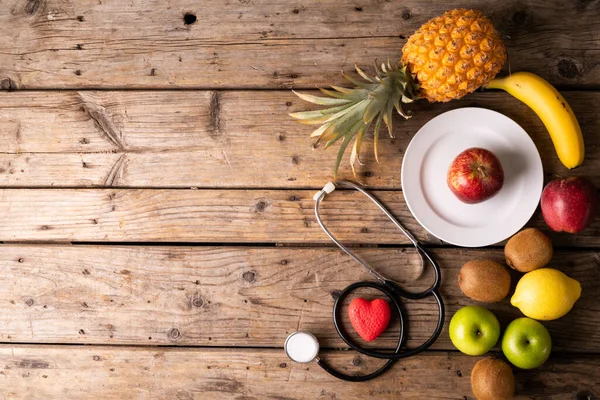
{"points": [[156, 201]]}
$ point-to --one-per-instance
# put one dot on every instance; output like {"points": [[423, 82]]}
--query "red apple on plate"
{"points": [[569, 205], [475, 175]]}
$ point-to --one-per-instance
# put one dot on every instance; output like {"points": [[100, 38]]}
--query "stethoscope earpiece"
{"points": [[303, 347]]}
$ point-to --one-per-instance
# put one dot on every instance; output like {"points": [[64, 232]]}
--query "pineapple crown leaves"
{"points": [[350, 112]]}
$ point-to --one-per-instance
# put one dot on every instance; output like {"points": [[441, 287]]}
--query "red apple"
{"points": [[475, 175], [569, 204]]}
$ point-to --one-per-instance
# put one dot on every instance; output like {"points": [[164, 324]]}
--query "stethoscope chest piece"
{"points": [[301, 347]]}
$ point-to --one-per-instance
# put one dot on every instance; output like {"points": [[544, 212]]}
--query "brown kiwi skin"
{"points": [[528, 250], [492, 379], [484, 280]]}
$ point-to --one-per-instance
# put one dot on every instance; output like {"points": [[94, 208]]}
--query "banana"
{"points": [[553, 110]]}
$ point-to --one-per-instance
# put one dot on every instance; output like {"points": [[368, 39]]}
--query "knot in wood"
{"points": [[585, 395], [197, 302], [174, 334], [8, 84], [249, 276], [356, 361], [521, 18], [261, 205], [568, 68], [29, 302], [33, 6]]}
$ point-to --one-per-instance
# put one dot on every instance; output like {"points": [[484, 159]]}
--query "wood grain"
{"points": [[265, 43], [239, 296], [108, 373], [231, 139], [217, 216]]}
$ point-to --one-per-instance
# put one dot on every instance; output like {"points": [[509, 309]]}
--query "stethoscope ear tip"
{"points": [[328, 188], [301, 347]]}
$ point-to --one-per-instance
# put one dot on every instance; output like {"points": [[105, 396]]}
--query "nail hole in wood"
{"points": [[189, 18]]}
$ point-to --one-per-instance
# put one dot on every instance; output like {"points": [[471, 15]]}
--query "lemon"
{"points": [[546, 294]]}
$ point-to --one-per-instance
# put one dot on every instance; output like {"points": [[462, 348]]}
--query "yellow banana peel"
{"points": [[553, 110]]}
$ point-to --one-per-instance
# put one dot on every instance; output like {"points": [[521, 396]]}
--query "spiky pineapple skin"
{"points": [[454, 54]]}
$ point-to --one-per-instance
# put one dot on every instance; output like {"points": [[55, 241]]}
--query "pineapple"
{"points": [[448, 57]]}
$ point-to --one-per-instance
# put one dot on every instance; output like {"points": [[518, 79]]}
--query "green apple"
{"points": [[526, 343], [474, 330]]}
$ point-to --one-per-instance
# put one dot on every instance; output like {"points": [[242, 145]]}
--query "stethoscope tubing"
{"points": [[389, 288]]}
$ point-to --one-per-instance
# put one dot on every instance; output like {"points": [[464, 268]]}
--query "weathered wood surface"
{"points": [[107, 373], [265, 44], [239, 296], [211, 139], [217, 216], [124, 162]]}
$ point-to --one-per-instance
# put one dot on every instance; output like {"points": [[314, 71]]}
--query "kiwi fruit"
{"points": [[528, 250], [492, 379], [484, 280]]}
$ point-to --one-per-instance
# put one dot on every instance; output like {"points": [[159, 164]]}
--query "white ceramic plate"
{"points": [[425, 169]]}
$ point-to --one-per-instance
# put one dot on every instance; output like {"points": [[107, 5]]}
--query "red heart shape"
{"points": [[369, 318]]}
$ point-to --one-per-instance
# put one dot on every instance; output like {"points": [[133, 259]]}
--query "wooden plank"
{"points": [[216, 216], [232, 139], [58, 372], [49, 44], [239, 296]]}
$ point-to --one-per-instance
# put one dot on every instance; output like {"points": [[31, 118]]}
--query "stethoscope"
{"points": [[303, 347]]}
